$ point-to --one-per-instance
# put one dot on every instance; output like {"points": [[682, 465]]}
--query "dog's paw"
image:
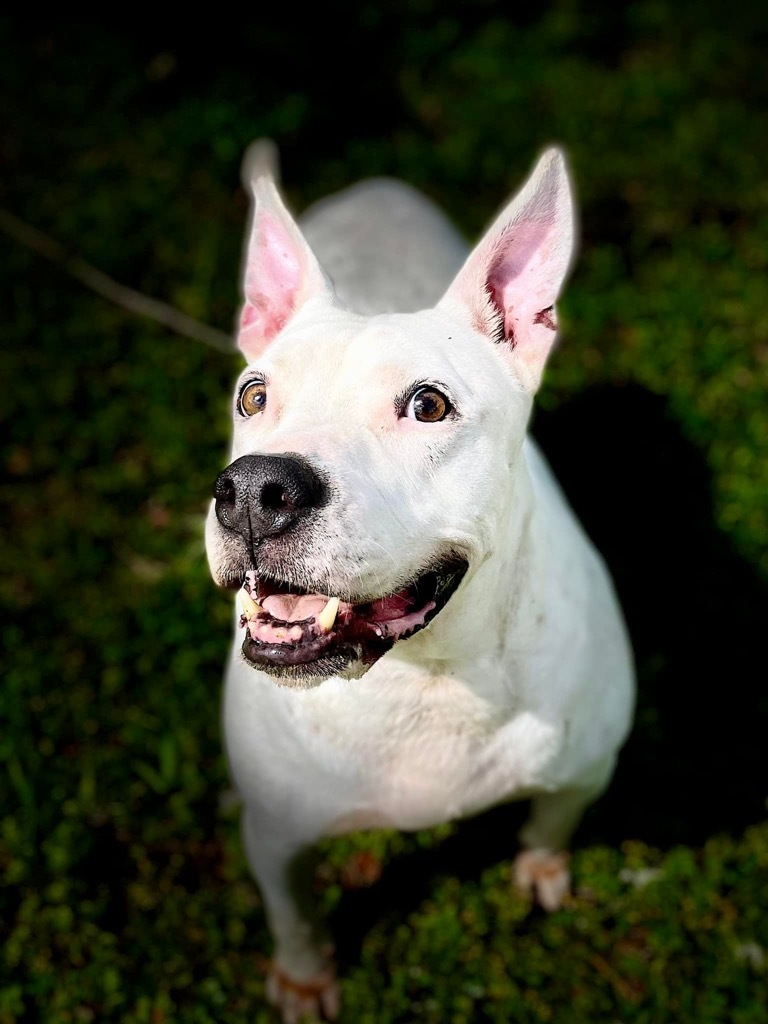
{"points": [[361, 870], [312, 999], [545, 874]]}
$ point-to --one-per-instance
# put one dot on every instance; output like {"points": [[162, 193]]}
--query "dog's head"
{"points": [[373, 457]]}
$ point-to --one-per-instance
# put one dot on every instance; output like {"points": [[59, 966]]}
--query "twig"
{"points": [[112, 290]]}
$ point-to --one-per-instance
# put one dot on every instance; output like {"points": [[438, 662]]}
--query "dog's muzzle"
{"points": [[260, 496], [292, 630]]}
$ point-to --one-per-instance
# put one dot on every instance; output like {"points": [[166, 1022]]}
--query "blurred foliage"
{"points": [[124, 892]]}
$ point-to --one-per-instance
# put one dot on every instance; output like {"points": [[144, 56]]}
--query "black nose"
{"points": [[261, 496]]}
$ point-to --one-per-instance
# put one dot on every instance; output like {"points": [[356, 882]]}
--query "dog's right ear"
{"points": [[280, 271], [510, 282]]}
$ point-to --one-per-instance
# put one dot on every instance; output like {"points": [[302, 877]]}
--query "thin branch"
{"points": [[112, 290]]}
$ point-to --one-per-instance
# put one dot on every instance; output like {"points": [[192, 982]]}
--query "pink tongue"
{"points": [[393, 607], [294, 607]]}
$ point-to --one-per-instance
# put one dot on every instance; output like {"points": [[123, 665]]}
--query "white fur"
{"points": [[522, 685]]}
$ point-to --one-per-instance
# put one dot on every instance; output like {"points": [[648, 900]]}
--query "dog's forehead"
{"points": [[384, 352]]}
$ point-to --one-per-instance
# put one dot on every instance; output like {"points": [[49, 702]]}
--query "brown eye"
{"points": [[428, 405], [253, 398]]}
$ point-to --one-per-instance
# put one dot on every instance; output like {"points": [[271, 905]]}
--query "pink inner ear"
{"points": [[517, 278], [273, 277]]}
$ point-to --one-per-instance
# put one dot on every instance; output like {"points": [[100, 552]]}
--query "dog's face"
{"points": [[373, 457]]}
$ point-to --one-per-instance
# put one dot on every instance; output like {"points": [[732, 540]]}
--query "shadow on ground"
{"points": [[695, 762]]}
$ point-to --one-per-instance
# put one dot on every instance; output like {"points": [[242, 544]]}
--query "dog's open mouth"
{"points": [[296, 633]]}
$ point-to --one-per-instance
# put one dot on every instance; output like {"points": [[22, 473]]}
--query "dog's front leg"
{"points": [[302, 979], [542, 867]]}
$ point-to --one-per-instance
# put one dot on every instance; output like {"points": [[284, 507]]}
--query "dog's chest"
{"points": [[378, 753], [451, 758]]}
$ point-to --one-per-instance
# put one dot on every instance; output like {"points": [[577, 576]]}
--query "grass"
{"points": [[124, 893]]}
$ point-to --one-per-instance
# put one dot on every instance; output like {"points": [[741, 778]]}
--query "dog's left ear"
{"points": [[509, 283], [280, 271]]}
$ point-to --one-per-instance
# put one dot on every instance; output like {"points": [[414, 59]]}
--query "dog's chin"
{"points": [[301, 638], [346, 662]]}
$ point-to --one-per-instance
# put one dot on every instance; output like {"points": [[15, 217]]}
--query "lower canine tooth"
{"points": [[247, 605], [327, 616]]}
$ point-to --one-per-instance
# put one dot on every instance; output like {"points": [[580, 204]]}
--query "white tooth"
{"points": [[246, 605], [327, 616]]}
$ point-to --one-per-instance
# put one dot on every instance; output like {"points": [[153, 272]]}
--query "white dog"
{"points": [[423, 628]]}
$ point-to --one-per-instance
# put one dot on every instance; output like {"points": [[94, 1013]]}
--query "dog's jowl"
{"points": [[422, 629]]}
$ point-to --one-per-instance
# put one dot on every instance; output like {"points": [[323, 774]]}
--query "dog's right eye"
{"points": [[253, 398], [428, 405]]}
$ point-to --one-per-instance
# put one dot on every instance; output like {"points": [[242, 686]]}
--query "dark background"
{"points": [[124, 895]]}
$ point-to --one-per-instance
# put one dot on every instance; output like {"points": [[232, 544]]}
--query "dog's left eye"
{"points": [[428, 405], [253, 398]]}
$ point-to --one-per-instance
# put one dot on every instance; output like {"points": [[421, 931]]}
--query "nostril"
{"points": [[224, 490], [274, 496], [260, 496]]}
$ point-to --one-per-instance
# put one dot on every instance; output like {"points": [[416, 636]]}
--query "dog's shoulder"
{"points": [[386, 246]]}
